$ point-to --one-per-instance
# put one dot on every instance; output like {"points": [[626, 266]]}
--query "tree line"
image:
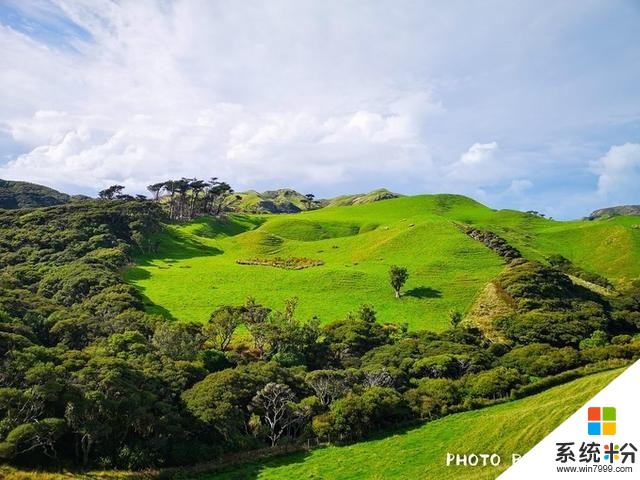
{"points": [[186, 198]]}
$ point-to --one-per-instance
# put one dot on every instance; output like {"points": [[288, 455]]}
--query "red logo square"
{"points": [[594, 414]]}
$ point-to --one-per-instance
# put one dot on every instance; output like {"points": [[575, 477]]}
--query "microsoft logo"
{"points": [[602, 420]]}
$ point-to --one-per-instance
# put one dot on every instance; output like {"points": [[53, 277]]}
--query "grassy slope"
{"points": [[420, 453], [195, 270], [610, 247]]}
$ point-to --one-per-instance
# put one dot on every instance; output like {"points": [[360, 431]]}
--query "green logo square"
{"points": [[609, 414]]}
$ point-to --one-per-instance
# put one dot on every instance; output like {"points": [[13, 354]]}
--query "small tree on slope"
{"points": [[398, 277]]}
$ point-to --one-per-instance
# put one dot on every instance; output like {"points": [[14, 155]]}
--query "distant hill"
{"points": [[361, 198], [286, 200], [15, 194], [615, 212], [283, 200]]}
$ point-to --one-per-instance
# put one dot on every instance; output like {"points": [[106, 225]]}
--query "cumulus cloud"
{"points": [[477, 167], [619, 172], [138, 104], [478, 153], [330, 96], [520, 186]]}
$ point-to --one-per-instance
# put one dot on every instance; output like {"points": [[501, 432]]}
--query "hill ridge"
{"points": [[18, 194]]}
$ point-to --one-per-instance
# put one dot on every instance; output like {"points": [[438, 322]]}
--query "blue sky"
{"points": [[528, 105]]}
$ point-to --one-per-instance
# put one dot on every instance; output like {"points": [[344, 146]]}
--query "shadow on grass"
{"points": [[173, 246], [136, 273], [211, 227], [423, 292], [251, 469]]}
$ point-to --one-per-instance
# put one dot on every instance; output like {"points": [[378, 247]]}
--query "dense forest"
{"points": [[89, 379]]}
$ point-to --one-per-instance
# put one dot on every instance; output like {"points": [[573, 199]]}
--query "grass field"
{"points": [[195, 269], [420, 453]]}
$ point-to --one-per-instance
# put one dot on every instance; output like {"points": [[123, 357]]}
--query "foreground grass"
{"points": [[420, 453]]}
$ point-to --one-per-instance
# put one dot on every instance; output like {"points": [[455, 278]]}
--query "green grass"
{"points": [[195, 270], [609, 247], [513, 427]]}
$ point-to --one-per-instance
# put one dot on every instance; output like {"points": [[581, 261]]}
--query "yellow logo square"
{"points": [[608, 428]]}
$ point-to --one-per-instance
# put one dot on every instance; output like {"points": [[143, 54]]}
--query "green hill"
{"points": [[29, 195], [513, 427], [286, 200], [361, 198], [609, 247], [283, 200], [195, 268]]}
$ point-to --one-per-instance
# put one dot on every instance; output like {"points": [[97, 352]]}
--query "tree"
{"points": [[328, 385], [222, 324], [182, 187], [433, 397], [218, 192], [155, 189], [221, 399], [171, 187], [309, 200], [196, 186], [455, 317], [398, 277], [254, 317], [599, 338], [178, 341], [377, 378], [352, 337], [111, 192], [274, 403], [109, 399], [494, 383], [39, 435]]}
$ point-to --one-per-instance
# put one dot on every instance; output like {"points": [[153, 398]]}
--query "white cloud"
{"points": [[520, 186], [619, 172], [478, 166], [332, 96], [179, 97], [479, 153]]}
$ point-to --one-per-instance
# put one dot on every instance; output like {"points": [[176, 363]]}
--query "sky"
{"points": [[532, 105]]}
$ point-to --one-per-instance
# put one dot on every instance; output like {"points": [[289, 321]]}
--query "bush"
{"points": [[540, 360], [214, 360], [599, 338], [353, 416], [493, 384], [434, 397]]}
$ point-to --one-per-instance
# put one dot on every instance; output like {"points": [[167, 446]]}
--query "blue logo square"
{"points": [[594, 428]]}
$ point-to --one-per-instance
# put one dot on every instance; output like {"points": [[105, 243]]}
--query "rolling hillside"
{"points": [[420, 453], [286, 200], [196, 270]]}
